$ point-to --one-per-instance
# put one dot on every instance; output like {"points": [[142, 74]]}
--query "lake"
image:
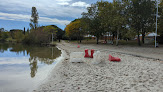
{"points": [[24, 67]]}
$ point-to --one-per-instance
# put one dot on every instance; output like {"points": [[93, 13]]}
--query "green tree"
{"points": [[112, 17], [119, 20], [50, 30], [135, 16], [59, 32], [160, 19], [4, 35], [141, 18], [85, 25], [106, 14], [147, 21], [94, 20], [128, 34], [18, 36], [34, 18], [41, 35], [1, 31]]}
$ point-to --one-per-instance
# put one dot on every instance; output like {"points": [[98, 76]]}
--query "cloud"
{"points": [[6, 60], [26, 18], [80, 4], [48, 8], [54, 20], [63, 2]]}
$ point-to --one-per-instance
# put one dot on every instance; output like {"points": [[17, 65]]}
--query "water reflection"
{"points": [[45, 55]]}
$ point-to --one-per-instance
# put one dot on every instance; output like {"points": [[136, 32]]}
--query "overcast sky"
{"points": [[15, 14]]}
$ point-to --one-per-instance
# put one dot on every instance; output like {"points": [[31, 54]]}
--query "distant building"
{"points": [[90, 36], [150, 38]]}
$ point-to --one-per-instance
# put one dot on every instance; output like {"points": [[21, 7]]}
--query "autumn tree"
{"points": [[34, 18], [74, 29]]}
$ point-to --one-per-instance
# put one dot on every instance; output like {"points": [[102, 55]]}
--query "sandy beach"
{"points": [[140, 70]]}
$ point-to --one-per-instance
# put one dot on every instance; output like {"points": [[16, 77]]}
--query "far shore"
{"points": [[139, 71]]}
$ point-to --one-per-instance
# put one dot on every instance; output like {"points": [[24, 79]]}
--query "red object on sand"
{"points": [[78, 46], [86, 53], [111, 58], [92, 52]]}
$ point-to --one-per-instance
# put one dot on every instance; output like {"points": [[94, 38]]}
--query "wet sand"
{"points": [[141, 70]]}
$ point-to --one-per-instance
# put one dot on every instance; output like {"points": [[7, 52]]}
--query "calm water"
{"points": [[23, 67]]}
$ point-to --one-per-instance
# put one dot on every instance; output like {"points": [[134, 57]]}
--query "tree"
{"points": [[119, 20], [28, 30], [128, 34], [4, 35], [147, 17], [112, 17], [141, 18], [135, 16], [160, 19], [106, 12], [160, 23], [94, 20], [85, 24], [34, 19], [74, 29], [18, 36], [1, 31], [59, 32], [41, 35], [51, 31]]}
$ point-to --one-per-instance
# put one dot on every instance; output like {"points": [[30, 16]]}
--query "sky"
{"points": [[16, 14]]}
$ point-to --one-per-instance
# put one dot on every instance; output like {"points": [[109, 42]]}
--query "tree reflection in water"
{"points": [[37, 54], [33, 66]]}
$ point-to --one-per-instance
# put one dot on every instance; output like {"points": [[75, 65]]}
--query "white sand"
{"points": [[132, 74]]}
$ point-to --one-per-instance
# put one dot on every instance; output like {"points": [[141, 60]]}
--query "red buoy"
{"points": [[92, 52], [86, 53], [78, 46], [111, 58]]}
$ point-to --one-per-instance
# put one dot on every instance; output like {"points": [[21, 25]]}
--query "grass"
{"points": [[130, 42], [54, 43], [83, 41], [120, 42]]}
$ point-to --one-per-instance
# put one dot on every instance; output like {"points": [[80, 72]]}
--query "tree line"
{"points": [[35, 35], [123, 20]]}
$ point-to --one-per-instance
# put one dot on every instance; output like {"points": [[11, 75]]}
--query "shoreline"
{"points": [[51, 71], [129, 75]]}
